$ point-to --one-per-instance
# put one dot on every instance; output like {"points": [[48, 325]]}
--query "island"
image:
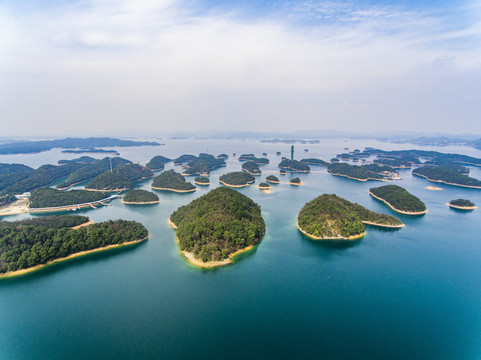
{"points": [[294, 166], [314, 161], [462, 204], [386, 171], [447, 175], [264, 186], [157, 163], [140, 197], [91, 151], [251, 167], [295, 181], [330, 217], [119, 179], [80, 160], [334, 160], [272, 179], [203, 165], [172, 181], [399, 199], [29, 245], [252, 157], [216, 227], [202, 180], [282, 171], [223, 156], [51, 200], [237, 179], [354, 172], [184, 159]]}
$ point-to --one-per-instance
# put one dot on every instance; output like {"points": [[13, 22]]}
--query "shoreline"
{"points": [[435, 188], [294, 170], [273, 182], [68, 187], [82, 225], [174, 190], [69, 257], [253, 174], [397, 210], [350, 238], [467, 208], [295, 184], [353, 178], [383, 225], [201, 183], [444, 182], [140, 203], [234, 186]]}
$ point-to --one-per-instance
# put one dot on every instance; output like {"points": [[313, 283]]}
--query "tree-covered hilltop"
{"points": [[218, 224], [170, 180], [353, 171], [237, 178], [399, 198], [24, 244], [446, 175], [184, 159], [251, 167], [7, 169], [272, 179], [264, 186], [87, 172], [314, 161], [462, 203], [18, 183], [223, 156], [80, 160], [48, 197], [252, 157], [202, 180], [330, 216], [203, 165], [158, 162], [122, 177], [294, 166], [140, 196], [295, 181]]}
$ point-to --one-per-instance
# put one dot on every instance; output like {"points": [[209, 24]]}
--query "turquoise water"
{"points": [[412, 293]]}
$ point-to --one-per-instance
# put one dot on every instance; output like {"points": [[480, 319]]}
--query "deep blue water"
{"points": [[412, 293]]}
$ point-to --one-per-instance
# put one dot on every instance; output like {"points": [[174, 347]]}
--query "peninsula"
{"points": [[237, 179], [48, 199], [399, 199], [171, 181], [140, 197]]}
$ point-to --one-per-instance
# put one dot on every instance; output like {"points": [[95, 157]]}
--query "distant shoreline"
{"points": [[140, 202], [461, 207], [444, 182], [353, 178], [174, 190], [397, 210]]}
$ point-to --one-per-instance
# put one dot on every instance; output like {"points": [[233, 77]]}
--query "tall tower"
{"points": [[292, 152]]}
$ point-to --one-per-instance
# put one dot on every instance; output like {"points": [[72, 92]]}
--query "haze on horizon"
{"points": [[94, 66]]}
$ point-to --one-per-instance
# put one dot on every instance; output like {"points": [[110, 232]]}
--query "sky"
{"points": [[160, 66]]}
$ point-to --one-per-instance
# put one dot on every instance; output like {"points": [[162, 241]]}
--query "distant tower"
{"points": [[292, 152]]}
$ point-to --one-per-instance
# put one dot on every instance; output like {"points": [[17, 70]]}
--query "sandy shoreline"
{"points": [[353, 178], [174, 190], [461, 207], [201, 183], [444, 182], [273, 182], [397, 210], [354, 237], [433, 188], [295, 184], [16, 208], [72, 256], [234, 186], [84, 224], [383, 225], [140, 203]]}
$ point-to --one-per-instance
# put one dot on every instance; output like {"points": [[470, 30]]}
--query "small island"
{"points": [[447, 175], [252, 157], [29, 245], [237, 179], [140, 197], [330, 217], [264, 186], [223, 156], [183, 159], [282, 171], [119, 179], [171, 181], [295, 181], [272, 179], [294, 166], [462, 204], [214, 228], [157, 163], [203, 165], [251, 167], [353, 172], [202, 180], [399, 199]]}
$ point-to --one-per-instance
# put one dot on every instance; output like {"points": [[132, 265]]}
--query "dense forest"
{"points": [[462, 203], [399, 198], [158, 162], [237, 178], [330, 216], [7, 169], [24, 244], [172, 181], [252, 157], [251, 167], [48, 197], [80, 160], [202, 180], [203, 164], [140, 196], [294, 166], [122, 177], [218, 224], [184, 159], [264, 185], [313, 161], [92, 170], [444, 174], [353, 171], [295, 181], [272, 179]]}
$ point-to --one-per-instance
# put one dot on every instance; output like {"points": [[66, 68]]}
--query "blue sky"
{"points": [[164, 65]]}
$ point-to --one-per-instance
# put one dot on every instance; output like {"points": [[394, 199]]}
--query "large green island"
{"points": [[214, 228], [330, 217], [399, 199], [237, 179], [172, 181], [29, 245], [140, 197]]}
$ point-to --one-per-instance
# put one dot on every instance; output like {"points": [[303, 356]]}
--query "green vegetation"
{"points": [[202, 165], [28, 243], [446, 175], [353, 171], [378, 168], [313, 161], [184, 159], [202, 180], [334, 160], [122, 177], [251, 157], [170, 180], [272, 179], [449, 164], [6, 169], [264, 185], [462, 203], [412, 156], [295, 181], [294, 166], [92, 151], [7, 200], [47, 197], [282, 171], [395, 163], [330, 216], [251, 167], [140, 196], [399, 198], [218, 224], [90, 171], [158, 162], [80, 160], [237, 178]]}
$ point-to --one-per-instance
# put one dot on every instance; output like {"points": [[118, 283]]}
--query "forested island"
{"points": [[383, 170], [399, 199], [237, 179], [353, 172], [412, 156], [91, 151], [158, 163], [89, 171], [27, 245], [202, 180], [447, 176], [184, 159], [212, 229], [251, 167], [252, 157], [172, 181], [223, 156], [314, 161], [295, 181], [203, 165], [120, 178], [294, 166], [272, 179], [462, 204], [330, 217], [52, 198], [265, 186], [140, 197]]}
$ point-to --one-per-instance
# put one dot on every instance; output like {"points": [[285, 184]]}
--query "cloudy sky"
{"points": [[156, 66]]}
